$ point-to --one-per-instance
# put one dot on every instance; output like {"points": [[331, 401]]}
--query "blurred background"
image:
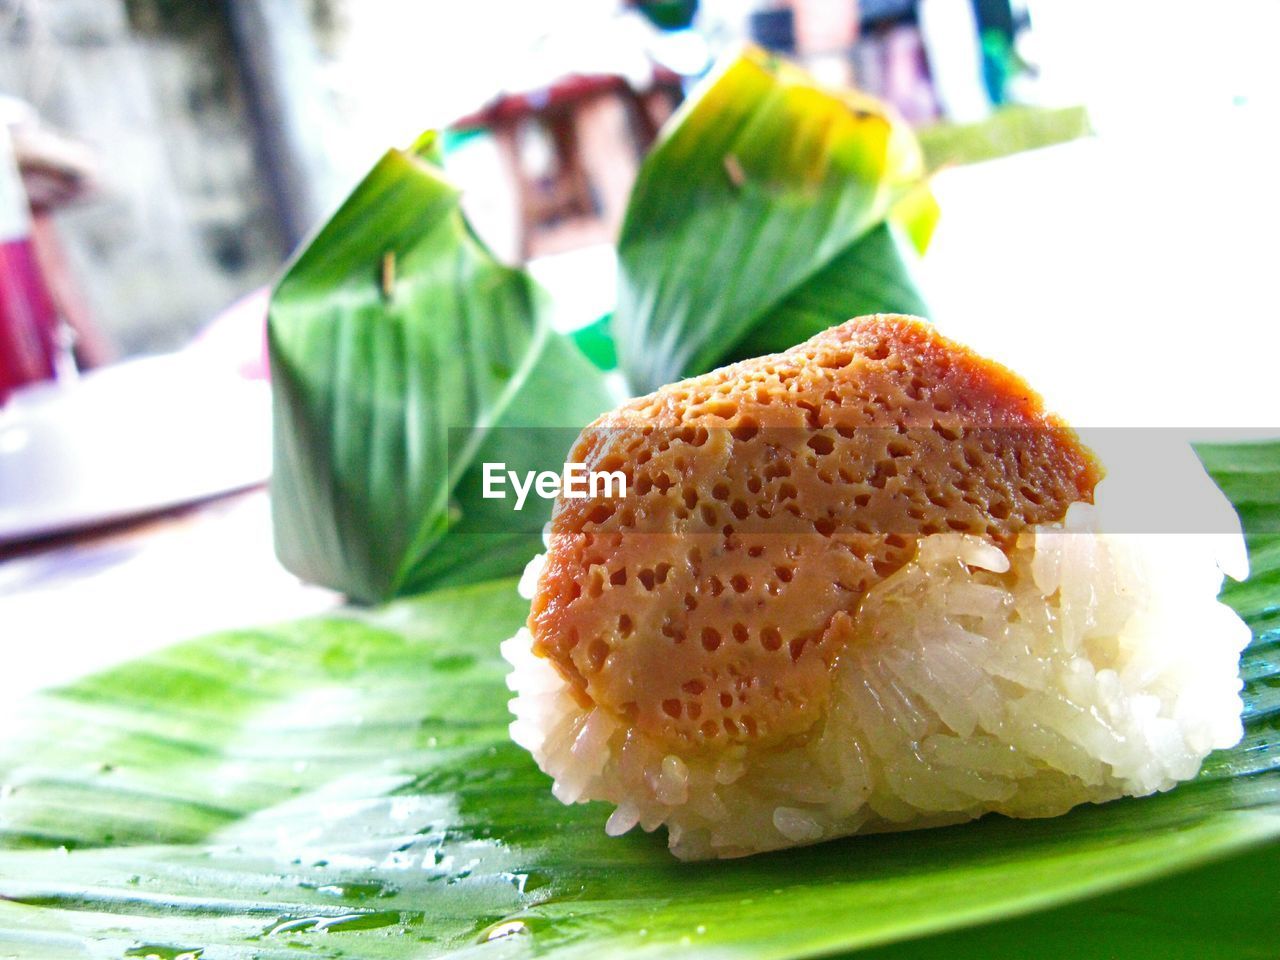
{"points": [[173, 153], [160, 160]]}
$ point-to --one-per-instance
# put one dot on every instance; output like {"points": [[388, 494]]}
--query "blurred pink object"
{"points": [[28, 317], [236, 339], [825, 26]]}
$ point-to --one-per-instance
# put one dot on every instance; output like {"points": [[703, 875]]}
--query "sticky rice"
{"points": [[1019, 665], [1081, 666]]}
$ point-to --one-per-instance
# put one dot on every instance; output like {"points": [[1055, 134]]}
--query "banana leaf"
{"points": [[1010, 130], [399, 349], [875, 275], [761, 186], [344, 786], [1225, 910]]}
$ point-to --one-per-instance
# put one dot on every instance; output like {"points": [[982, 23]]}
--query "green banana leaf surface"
{"points": [[344, 786], [875, 275]]}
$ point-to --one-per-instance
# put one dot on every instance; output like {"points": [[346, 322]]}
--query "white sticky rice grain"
{"points": [[1080, 666]]}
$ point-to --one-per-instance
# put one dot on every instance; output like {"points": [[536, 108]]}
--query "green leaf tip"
{"points": [[427, 147], [1010, 130]]}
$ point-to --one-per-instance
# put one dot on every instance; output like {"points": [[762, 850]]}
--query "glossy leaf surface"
{"points": [[344, 786]]}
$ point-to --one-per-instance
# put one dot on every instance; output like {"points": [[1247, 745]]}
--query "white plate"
{"points": [[138, 437]]}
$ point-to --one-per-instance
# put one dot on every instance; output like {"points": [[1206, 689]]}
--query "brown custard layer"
{"points": [[708, 606]]}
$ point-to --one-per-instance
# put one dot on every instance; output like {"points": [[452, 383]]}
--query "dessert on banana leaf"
{"points": [[866, 584]]}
